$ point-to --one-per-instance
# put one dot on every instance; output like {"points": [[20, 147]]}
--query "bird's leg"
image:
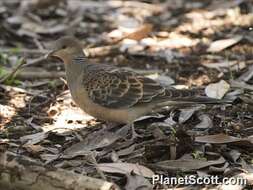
{"points": [[134, 134], [111, 125]]}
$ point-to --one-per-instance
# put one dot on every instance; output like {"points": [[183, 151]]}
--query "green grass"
{"points": [[3, 72]]}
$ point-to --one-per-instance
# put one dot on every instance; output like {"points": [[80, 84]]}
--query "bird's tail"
{"points": [[174, 97], [191, 101]]}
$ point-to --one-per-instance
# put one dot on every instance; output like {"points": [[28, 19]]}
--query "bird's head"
{"points": [[65, 49]]}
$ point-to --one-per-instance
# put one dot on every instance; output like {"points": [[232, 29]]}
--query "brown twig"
{"points": [[24, 51], [35, 61], [28, 75], [13, 72], [29, 176]]}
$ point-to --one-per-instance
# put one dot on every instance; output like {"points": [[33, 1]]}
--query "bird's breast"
{"points": [[81, 98]]}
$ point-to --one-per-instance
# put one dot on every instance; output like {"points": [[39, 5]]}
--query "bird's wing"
{"points": [[115, 88]]}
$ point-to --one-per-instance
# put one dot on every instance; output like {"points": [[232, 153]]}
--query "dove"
{"points": [[114, 94]]}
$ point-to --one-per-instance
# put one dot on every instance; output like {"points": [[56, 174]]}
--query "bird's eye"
{"points": [[64, 47]]}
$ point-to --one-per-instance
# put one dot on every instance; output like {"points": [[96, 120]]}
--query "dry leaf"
{"points": [[7, 111], [227, 66], [164, 80], [136, 182], [218, 139], [34, 148], [93, 141], [186, 113], [206, 122], [217, 90], [126, 151], [177, 41], [128, 44], [220, 45], [126, 168], [140, 33], [148, 42], [187, 164], [34, 138], [234, 155], [245, 77]]}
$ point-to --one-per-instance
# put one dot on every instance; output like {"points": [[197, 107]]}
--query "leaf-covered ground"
{"points": [[181, 43]]}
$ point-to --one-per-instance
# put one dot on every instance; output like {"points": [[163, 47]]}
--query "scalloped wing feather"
{"points": [[115, 88]]}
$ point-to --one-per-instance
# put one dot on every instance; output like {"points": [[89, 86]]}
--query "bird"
{"points": [[114, 94]]}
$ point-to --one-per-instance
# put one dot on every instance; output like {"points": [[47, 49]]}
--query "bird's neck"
{"points": [[75, 68]]}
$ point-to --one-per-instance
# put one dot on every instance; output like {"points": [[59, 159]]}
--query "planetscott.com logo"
{"points": [[195, 180]]}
